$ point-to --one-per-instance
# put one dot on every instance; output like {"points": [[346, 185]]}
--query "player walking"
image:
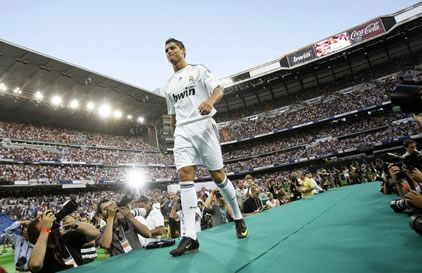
{"points": [[191, 94]]}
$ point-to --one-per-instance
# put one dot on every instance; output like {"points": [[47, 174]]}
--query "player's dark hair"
{"points": [[177, 42]]}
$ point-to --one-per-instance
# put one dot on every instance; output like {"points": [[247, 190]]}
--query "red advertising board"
{"points": [[366, 31]]}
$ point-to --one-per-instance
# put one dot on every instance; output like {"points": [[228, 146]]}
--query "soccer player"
{"points": [[191, 94]]}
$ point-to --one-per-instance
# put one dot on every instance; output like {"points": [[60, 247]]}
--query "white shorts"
{"points": [[196, 144]]}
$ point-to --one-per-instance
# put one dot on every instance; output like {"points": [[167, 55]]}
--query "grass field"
{"points": [[6, 259]]}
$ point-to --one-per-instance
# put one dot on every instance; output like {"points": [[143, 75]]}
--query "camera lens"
{"points": [[416, 223]]}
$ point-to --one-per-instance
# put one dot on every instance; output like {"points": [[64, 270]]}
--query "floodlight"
{"points": [[104, 110], [118, 114], [90, 106], [38, 95], [74, 104], [141, 120], [135, 178], [129, 117], [56, 100], [17, 90], [3, 87]]}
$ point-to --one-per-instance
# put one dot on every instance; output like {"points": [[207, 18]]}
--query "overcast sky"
{"points": [[125, 39]]}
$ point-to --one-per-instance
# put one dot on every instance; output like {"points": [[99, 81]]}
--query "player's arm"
{"points": [[206, 106], [173, 122]]}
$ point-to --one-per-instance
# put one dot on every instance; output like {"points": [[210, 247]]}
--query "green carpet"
{"points": [[349, 229]]}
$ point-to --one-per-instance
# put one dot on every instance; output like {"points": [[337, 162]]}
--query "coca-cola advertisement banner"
{"points": [[301, 56], [332, 44], [366, 31]]}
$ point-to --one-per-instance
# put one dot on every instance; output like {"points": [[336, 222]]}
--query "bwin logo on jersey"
{"points": [[188, 92]]}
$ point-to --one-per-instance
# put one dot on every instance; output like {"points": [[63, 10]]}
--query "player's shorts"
{"points": [[196, 144]]}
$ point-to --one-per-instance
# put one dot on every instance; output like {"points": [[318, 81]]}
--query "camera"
{"points": [[20, 263], [126, 199], [416, 223], [407, 163], [218, 195], [408, 94], [68, 207]]}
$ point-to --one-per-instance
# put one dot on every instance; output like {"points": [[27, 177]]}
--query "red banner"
{"points": [[366, 31]]}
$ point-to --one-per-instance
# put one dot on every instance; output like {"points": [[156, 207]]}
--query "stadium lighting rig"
{"points": [[3, 87], [17, 90], [117, 114], [56, 100], [90, 106], [38, 96], [74, 104], [135, 178], [104, 110]]}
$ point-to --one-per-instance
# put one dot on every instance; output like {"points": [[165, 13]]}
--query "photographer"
{"points": [[22, 246], [218, 208], [307, 187], [120, 233], [415, 198], [53, 251], [295, 195], [153, 219]]}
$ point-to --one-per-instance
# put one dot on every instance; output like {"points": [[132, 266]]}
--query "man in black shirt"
{"points": [[253, 204], [55, 252]]}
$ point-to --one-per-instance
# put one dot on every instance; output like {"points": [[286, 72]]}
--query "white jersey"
{"points": [[186, 90]]}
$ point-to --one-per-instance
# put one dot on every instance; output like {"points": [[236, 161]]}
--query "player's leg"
{"points": [[208, 145], [186, 161], [229, 193]]}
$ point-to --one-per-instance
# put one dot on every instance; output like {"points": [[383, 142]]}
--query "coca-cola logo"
{"points": [[365, 32]]}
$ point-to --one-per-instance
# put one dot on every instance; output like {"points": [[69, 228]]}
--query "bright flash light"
{"points": [[141, 120], [38, 95], [74, 104], [17, 90], [3, 87], [56, 100], [90, 106], [104, 110], [117, 114], [129, 117], [135, 178]]}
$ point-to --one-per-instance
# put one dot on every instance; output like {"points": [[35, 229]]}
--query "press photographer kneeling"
{"points": [[119, 236], [408, 178], [54, 251]]}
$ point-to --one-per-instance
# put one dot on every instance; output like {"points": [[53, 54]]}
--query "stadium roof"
{"points": [[32, 71], [402, 16], [287, 76]]}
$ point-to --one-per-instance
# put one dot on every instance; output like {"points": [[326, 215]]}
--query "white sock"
{"points": [[228, 192], [189, 204]]}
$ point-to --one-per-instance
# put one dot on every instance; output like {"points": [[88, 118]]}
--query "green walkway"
{"points": [[349, 229]]}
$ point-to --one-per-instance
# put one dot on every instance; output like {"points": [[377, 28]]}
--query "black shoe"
{"points": [[186, 244], [241, 228]]}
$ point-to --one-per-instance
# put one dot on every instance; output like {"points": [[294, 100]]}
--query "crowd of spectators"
{"points": [[301, 146], [39, 132], [335, 129], [47, 174], [364, 76], [73, 154], [302, 113]]}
